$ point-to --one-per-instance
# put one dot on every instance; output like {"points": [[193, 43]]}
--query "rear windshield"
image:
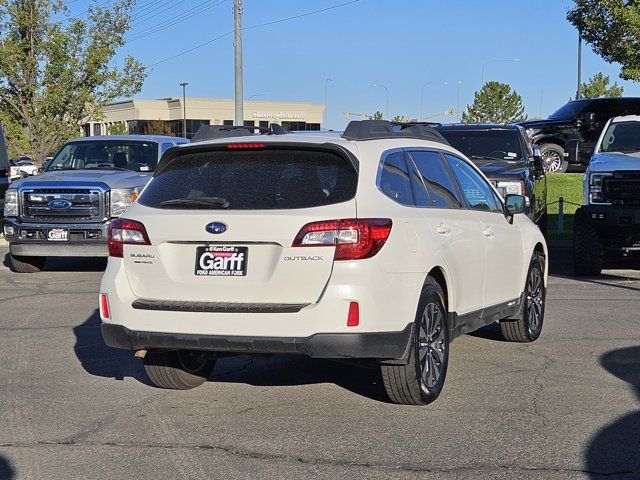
{"points": [[252, 180]]}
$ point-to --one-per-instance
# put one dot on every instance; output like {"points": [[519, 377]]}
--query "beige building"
{"points": [[164, 115]]}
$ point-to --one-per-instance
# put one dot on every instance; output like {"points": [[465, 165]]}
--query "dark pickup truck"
{"points": [[569, 135]]}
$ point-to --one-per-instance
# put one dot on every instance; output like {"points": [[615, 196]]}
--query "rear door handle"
{"points": [[487, 232], [443, 229]]}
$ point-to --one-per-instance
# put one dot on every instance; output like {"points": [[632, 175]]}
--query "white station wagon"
{"points": [[382, 244]]}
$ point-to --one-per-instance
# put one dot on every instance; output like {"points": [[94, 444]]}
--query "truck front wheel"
{"points": [[587, 248], [22, 264], [553, 160]]}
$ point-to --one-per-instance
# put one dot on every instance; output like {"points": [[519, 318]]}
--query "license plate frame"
{"points": [[221, 261], [57, 234]]}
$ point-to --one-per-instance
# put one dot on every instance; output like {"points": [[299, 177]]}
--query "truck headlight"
{"points": [[511, 188], [11, 203], [595, 187], [121, 199]]}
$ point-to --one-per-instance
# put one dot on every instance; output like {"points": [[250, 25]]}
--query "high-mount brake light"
{"points": [[354, 238], [246, 146], [123, 231]]}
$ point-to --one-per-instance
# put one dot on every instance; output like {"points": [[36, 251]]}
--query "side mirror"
{"points": [[515, 204]]}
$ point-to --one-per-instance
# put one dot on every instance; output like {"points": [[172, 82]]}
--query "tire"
{"points": [[527, 326], [20, 264], [587, 247], [177, 369], [412, 384], [553, 160]]}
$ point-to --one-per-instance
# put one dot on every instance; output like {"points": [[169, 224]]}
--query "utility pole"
{"points": [[237, 50], [579, 91], [324, 113], [387, 99], [184, 108]]}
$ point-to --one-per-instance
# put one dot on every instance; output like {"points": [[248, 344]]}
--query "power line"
{"points": [[148, 16], [273, 22], [192, 12]]}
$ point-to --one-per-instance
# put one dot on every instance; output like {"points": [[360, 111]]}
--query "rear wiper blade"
{"points": [[209, 202]]}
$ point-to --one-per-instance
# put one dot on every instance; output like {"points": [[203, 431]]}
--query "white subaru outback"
{"points": [[383, 244]]}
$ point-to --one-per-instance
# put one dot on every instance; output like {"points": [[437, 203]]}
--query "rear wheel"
{"points": [[178, 369], [587, 247], [22, 264], [421, 380], [553, 160], [528, 325]]}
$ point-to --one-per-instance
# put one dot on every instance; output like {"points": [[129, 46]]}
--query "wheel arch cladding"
{"points": [[438, 274]]}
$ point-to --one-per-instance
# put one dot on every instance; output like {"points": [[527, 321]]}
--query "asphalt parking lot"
{"points": [[567, 406]]}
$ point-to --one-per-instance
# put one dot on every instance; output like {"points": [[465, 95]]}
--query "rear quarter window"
{"points": [[253, 180]]}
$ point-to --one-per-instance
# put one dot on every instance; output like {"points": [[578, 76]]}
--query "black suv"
{"points": [[569, 135], [5, 176], [507, 158]]}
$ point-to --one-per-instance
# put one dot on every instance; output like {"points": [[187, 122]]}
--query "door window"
{"points": [[394, 179], [478, 193], [435, 177]]}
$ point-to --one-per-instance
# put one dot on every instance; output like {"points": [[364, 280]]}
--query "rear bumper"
{"points": [[385, 345]]}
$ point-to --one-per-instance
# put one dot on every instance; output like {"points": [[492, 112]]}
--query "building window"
{"points": [[192, 127], [291, 126], [97, 129], [264, 124], [249, 123], [86, 130], [227, 122]]}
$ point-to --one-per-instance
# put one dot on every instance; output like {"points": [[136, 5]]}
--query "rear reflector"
{"points": [[354, 238], [123, 231], [246, 146], [353, 317], [104, 305]]}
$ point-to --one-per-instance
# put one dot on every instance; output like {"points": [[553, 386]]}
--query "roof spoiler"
{"points": [[213, 132], [380, 129]]}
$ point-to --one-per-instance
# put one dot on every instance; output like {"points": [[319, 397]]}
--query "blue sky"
{"points": [[398, 43]]}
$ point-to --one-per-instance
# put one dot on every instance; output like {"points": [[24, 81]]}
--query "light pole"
{"points": [[324, 113], [256, 95], [184, 108], [579, 91], [237, 53], [422, 96], [387, 101], [458, 101], [513, 60]]}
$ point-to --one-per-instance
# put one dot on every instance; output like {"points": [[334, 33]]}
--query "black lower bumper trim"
{"points": [[385, 345], [216, 307]]}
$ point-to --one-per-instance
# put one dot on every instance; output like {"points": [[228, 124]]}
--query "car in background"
{"points": [[26, 165], [66, 210], [377, 246], [507, 158], [608, 223], [5, 175], [568, 136]]}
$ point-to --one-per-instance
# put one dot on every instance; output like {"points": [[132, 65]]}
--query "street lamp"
{"points": [[184, 109], [256, 95], [458, 102], [422, 96], [324, 113], [513, 60], [387, 101]]}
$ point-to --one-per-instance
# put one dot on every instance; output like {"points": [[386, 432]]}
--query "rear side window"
{"points": [[252, 180], [394, 179], [434, 175]]}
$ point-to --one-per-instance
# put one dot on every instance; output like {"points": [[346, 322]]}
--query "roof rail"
{"points": [[213, 132], [379, 129]]}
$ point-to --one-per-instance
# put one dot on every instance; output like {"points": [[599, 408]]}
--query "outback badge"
{"points": [[216, 227]]}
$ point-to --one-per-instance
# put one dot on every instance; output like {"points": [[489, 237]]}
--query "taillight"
{"points": [[354, 238], [123, 231]]}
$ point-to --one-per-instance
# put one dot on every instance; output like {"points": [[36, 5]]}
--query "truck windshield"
{"points": [[477, 144], [570, 111], [106, 154], [622, 137]]}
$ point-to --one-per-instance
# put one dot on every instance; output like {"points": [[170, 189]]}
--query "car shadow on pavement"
{"points": [[68, 264], [102, 361], [615, 450], [291, 370], [6, 470]]}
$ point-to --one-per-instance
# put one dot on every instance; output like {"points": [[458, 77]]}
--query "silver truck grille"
{"points": [[63, 205]]}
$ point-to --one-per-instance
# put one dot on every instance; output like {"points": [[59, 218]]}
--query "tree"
{"points": [[401, 118], [55, 75], [495, 103], [157, 127], [598, 87], [119, 128], [612, 28], [378, 115]]}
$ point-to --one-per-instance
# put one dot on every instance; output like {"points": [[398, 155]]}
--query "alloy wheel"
{"points": [[535, 299], [431, 345], [552, 161]]}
